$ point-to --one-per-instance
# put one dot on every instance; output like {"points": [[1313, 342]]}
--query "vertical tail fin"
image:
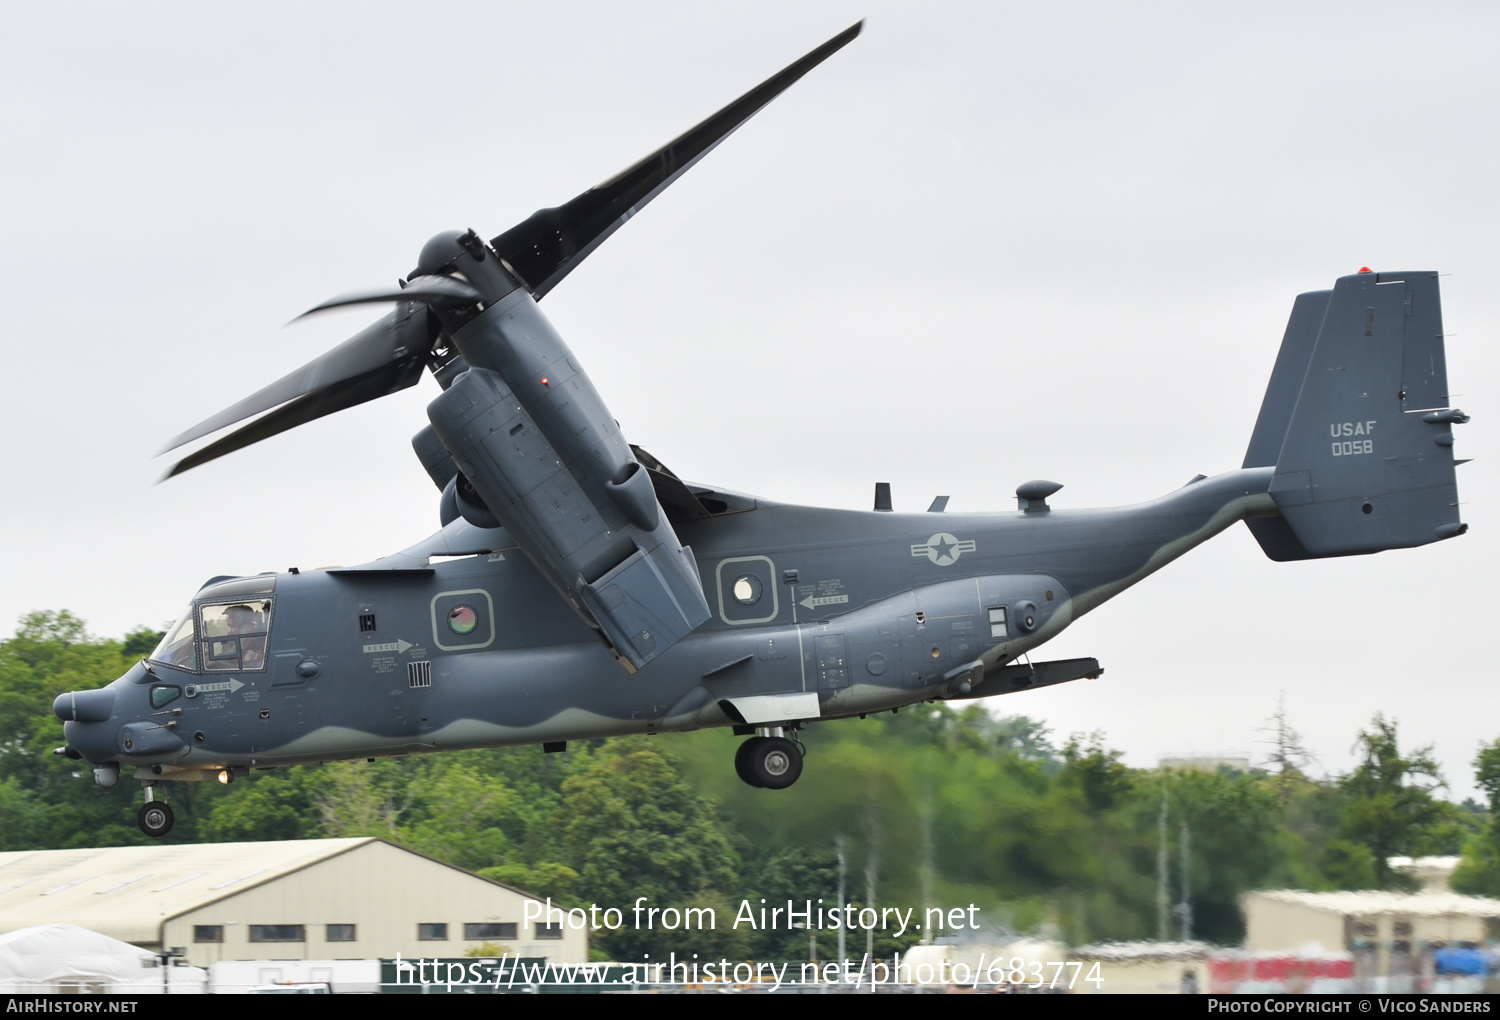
{"points": [[1356, 422]]}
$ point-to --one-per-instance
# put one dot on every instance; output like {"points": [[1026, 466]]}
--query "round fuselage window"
{"points": [[462, 619], [746, 590]]}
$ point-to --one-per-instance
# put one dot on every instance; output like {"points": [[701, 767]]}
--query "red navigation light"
{"points": [[544, 378], [1362, 269]]}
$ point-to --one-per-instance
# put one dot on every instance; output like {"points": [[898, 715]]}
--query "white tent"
{"points": [[67, 958]]}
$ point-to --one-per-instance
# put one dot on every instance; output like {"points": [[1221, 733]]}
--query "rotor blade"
{"points": [[337, 396], [548, 245], [402, 334], [428, 289]]}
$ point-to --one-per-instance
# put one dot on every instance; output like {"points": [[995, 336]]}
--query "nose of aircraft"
{"points": [[84, 714], [84, 706]]}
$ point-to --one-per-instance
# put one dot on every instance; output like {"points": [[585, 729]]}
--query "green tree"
{"points": [[363, 799], [1389, 804], [1095, 772], [141, 642], [1487, 773], [795, 874], [634, 829], [459, 816], [1235, 841], [1346, 864], [1027, 739], [271, 805], [1478, 873], [547, 879]]}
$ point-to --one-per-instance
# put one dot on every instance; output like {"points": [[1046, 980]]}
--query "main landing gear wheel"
{"points": [[155, 818], [742, 761], [770, 762]]}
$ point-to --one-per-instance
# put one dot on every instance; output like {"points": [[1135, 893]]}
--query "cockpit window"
{"points": [[163, 695], [178, 648], [233, 635]]}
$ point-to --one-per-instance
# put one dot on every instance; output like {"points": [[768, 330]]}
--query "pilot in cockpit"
{"points": [[243, 619]]}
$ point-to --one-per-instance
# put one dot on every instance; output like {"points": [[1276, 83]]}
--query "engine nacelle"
{"points": [[589, 519]]}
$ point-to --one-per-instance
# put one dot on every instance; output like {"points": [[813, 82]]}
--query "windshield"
{"points": [[177, 648]]}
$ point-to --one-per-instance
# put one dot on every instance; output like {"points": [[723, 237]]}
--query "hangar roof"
{"points": [[1355, 904], [128, 891]]}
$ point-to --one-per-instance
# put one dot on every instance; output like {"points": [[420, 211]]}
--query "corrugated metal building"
{"points": [[1290, 918], [1389, 934], [296, 899]]}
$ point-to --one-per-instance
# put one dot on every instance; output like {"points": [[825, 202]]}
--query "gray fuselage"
{"points": [[865, 611]]}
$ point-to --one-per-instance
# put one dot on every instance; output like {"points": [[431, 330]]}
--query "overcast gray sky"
{"points": [[985, 243]]}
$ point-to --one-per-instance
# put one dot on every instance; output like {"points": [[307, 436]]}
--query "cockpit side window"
{"points": [[163, 695], [232, 635], [178, 648]]}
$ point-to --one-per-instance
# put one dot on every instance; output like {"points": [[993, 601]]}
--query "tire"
{"points": [[155, 818], [775, 762], [742, 761]]}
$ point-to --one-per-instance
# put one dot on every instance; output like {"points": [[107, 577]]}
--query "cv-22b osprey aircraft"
{"points": [[579, 589]]}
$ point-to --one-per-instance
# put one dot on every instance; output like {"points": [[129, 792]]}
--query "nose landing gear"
{"points": [[155, 816], [769, 760]]}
